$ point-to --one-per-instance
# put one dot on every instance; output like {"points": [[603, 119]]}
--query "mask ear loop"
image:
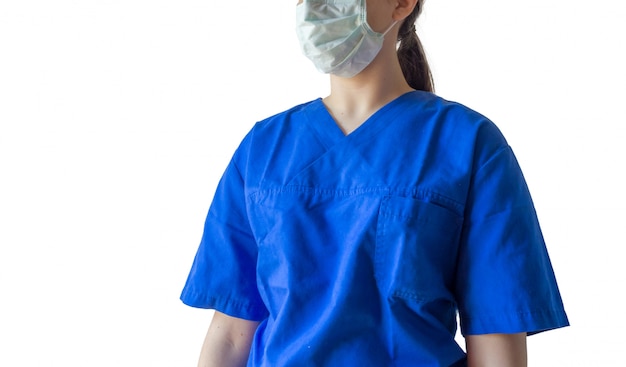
{"points": [[363, 14], [388, 29]]}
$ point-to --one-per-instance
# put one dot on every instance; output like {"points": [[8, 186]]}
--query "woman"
{"points": [[351, 230]]}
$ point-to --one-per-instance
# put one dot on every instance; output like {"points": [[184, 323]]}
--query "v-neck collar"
{"points": [[329, 132]]}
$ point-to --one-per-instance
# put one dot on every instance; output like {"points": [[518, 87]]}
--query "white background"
{"points": [[118, 117]]}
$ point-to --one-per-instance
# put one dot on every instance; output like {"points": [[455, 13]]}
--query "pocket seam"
{"points": [[387, 280]]}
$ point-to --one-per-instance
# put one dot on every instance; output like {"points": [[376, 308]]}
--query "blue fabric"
{"points": [[360, 250]]}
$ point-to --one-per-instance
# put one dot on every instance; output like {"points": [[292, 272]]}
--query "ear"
{"points": [[404, 8]]}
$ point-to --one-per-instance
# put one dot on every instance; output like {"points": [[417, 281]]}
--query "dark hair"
{"points": [[411, 54]]}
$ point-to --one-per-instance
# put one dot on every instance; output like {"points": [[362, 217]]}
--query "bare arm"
{"points": [[496, 350], [227, 342]]}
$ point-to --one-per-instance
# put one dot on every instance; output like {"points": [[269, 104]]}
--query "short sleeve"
{"points": [[505, 282], [223, 274]]}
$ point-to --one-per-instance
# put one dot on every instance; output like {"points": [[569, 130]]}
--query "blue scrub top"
{"points": [[361, 250]]}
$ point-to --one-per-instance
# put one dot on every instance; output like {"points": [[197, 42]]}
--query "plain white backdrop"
{"points": [[118, 117]]}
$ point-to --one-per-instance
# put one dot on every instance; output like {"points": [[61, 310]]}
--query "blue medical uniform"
{"points": [[361, 250]]}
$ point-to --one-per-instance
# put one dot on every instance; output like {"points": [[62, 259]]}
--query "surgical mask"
{"points": [[335, 35]]}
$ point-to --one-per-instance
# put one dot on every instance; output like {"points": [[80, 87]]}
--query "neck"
{"points": [[353, 100]]}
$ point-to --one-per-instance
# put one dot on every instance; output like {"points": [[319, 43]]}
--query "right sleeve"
{"points": [[223, 274]]}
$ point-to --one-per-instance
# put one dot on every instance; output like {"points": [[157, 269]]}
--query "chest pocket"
{"points": [[416, 249]]}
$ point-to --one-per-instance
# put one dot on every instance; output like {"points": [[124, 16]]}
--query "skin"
{"points": [[227, 342], [496, 350], [353, 100], [350, 102]]}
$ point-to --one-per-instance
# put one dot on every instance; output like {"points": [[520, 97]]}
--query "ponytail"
{"points": [[412, 56]]}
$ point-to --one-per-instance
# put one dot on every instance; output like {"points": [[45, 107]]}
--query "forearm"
{"points": [[227, 342], [496, 350]]}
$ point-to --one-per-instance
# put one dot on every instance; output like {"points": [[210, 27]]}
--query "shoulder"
{"points": [[287, 118], [467, 124], [453, 126], [457, 117], [276, 126], [279, 132]]}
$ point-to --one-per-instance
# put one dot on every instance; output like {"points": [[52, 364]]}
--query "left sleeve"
{"points": [[505, 282]]}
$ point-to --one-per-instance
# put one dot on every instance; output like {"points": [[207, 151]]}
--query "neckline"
{"points": [[329, 131]]}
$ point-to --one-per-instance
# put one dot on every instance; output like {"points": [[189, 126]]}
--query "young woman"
{"points": [[352, 230]]}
